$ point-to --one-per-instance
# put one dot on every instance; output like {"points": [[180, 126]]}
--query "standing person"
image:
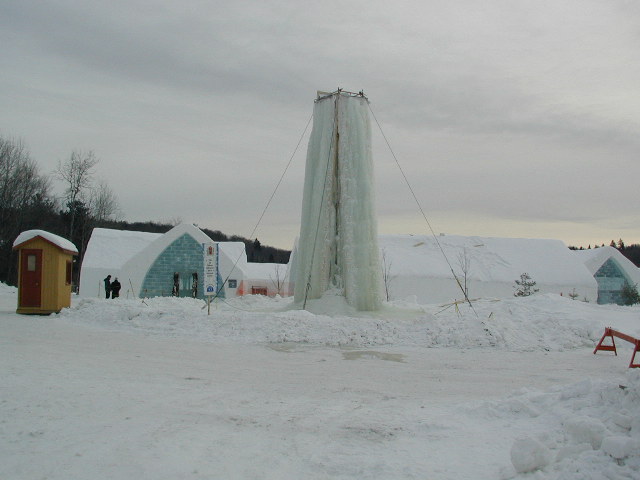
{"points": [[175, 292], [115, 288], [107, 286], [194, 284]]}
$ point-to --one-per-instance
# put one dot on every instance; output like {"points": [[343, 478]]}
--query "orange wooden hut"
{"points": [[45, 265]]}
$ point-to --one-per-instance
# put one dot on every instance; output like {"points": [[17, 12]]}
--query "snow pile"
{"points": [[536, 323], [7, 289], [590, 429]]}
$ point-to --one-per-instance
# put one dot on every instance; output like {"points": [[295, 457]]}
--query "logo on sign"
{"points": [[210, 289]]}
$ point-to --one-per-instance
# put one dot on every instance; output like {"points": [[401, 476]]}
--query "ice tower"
{"points": [[338, 244]]}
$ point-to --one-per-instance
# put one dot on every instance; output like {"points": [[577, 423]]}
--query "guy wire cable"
{"points": [[266, 206], [422, 212]]}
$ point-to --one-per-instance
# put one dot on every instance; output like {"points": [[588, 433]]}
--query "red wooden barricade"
{"points": [[610, 332]]}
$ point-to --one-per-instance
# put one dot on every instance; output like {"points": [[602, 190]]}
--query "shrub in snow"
{"points": [[524, 286], [629, 294], [528, 455]]}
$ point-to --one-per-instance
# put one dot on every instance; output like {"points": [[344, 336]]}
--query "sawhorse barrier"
{"points": [[610, 332]]}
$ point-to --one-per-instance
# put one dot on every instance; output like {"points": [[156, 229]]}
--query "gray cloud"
{"points": [[510, 111]]}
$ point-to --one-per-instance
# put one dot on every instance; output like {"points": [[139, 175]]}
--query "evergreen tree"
{"points": [[525, 286], [630, 295]]}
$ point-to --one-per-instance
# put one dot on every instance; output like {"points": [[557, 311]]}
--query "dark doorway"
{"points": [[31, 278]]}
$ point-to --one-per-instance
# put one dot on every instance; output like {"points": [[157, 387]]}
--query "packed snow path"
{"points": [[89, 398]]}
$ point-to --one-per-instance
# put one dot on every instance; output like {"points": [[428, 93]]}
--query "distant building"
{"points": [[611, 270], [153, 264], [415, 266]]}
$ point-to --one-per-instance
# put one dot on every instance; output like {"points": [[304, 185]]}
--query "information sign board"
{"points": [[210, 283]]}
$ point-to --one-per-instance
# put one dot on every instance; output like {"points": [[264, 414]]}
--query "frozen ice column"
{"points": [[338, 243]]}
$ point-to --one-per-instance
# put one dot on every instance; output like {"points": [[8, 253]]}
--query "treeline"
{"points": [[632, 252], [256, 252], [27, 202]]}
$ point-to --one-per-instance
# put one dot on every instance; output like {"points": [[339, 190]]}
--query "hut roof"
{"points": [[58, 241]]}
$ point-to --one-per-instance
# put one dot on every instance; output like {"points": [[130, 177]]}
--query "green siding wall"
{"points": [[184, 255], [611, 279]]}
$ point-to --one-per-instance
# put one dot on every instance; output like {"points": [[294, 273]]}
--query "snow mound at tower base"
{"points": [[537, 323]]}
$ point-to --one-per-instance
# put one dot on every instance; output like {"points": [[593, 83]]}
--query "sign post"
{"points": [[210, 282]]}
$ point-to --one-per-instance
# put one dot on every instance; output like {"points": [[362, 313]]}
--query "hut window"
{"points": [[68, 277], [31, 263]]}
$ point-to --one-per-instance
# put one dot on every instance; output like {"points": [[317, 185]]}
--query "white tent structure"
{"points": [[268, 279], [146, 263], [107, 251], [611, 270], [414, 265]]}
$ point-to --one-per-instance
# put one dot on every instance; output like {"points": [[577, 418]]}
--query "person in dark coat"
{"points": [[115, 288], [107, 285]]}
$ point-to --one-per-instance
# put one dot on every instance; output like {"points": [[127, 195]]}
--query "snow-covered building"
{"points": [[107, 252], [416, 266], [421, 266], [264, 279], [611, 270], [151, 264]]}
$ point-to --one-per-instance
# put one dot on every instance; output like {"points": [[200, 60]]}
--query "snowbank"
{"points": [[7, 289], [587, 430], [537, 323]]}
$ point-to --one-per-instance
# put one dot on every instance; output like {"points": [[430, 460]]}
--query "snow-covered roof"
{"points": [[594, 258], [265, 271], [57, 240], [236, 251], [109, 248], [492, 259]]}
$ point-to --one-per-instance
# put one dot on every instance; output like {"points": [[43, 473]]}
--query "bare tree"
{"points": [[103, 203], [278, 281], [24, 198], [464, 262], [387, 278], [77, 173]]}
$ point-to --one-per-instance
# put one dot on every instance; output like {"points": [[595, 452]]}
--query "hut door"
{"points": [[30, 278]]}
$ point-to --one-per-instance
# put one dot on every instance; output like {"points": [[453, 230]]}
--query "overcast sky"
{"points": [[510, 118]]}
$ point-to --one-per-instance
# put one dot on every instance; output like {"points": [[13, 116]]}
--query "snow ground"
{"points": [[120, 389]]}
